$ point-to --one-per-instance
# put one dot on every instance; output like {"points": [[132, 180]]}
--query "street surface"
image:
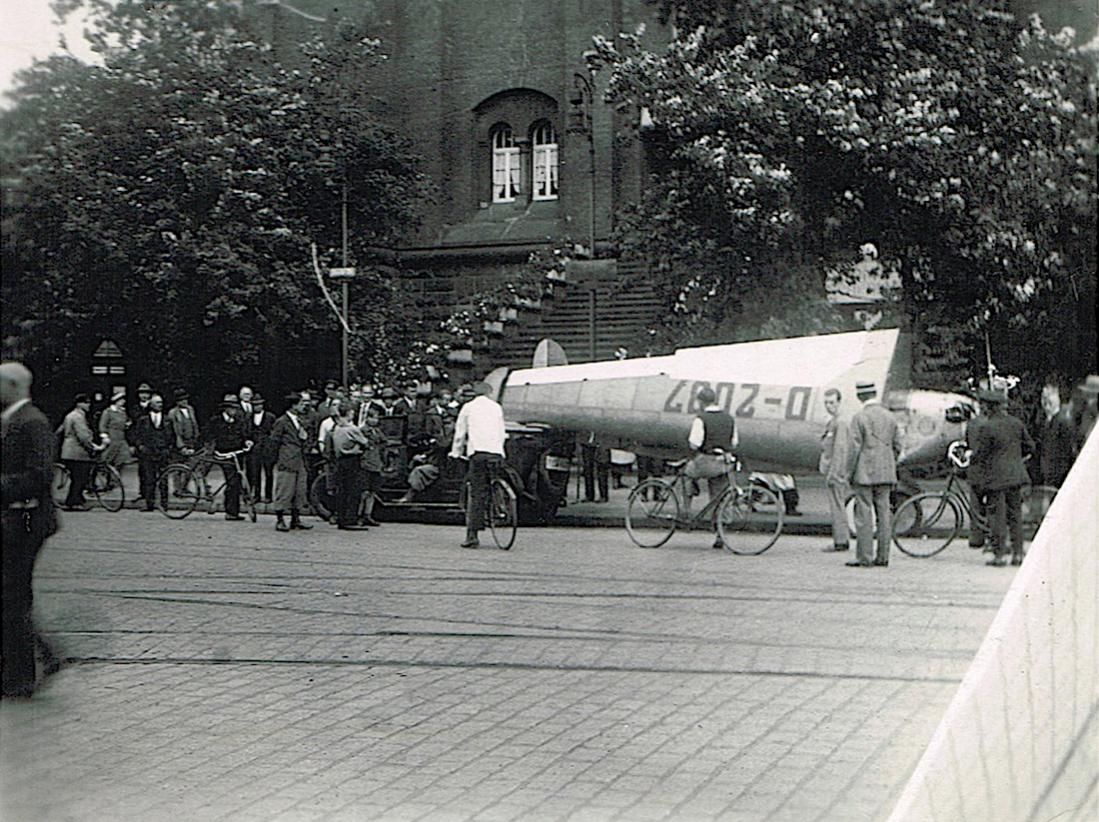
{"points": [[225, 671]]}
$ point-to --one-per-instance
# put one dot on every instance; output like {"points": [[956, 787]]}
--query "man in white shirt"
{"points": [[479, 437], [713, 434]]}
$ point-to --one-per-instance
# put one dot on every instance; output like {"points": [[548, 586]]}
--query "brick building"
{"points": [[497, 98]]}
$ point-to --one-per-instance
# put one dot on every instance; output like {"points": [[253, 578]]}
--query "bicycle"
{"points": [[503, 511], [653, 513], [925, 524], [104, 482], [193, 487]]}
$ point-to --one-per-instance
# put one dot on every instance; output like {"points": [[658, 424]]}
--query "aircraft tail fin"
{"points": [[548, 353]]}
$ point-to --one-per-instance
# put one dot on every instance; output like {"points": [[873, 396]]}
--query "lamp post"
{"points": [[582, 121]]}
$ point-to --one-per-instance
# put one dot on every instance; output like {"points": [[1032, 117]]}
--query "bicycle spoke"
{"points": [[749, 521], [652, 513]]}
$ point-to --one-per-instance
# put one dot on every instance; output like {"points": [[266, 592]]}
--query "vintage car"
{"points": [[536, 466]]}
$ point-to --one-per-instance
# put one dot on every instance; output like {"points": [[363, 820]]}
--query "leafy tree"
{"points": [[171, 195], [957, 141]]}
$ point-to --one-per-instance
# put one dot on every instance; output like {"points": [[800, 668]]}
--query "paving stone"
{"points": [[573, 678]]}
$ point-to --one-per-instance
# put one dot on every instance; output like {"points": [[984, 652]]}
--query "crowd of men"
{"points": [[860, 455], [280, 454]]}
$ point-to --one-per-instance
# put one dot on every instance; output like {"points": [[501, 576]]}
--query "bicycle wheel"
{"points": [[106, 484], [749, 521], [322, 503], [59, 488], [503, 519], [926, 523], [178, 491], [652, 513]]}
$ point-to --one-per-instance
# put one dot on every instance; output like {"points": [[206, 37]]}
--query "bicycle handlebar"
{"points": [[959, 454], [232, 454]]}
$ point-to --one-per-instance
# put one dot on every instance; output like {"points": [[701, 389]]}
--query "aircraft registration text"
{"points": [[743, 399]]}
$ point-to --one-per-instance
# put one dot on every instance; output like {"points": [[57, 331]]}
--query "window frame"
{"points": [[502, 140], [545, 155]]}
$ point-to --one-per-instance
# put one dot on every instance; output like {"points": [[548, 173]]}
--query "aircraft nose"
{"points": [[926, 451]]}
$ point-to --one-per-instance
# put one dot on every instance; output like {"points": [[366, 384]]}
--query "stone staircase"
{"points": [[622, 312]]}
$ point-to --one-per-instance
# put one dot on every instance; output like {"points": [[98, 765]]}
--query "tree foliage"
{"points": [[958, 141], [172, 192]]}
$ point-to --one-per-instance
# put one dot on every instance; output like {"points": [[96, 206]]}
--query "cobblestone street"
{"points": [[223, 671]]}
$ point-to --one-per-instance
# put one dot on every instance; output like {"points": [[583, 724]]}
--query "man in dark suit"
{"points": [[1058, 438], [138, 410], [153, 440], [999, 446], [874, 445], [29, 519], [260, 466], [227, 432]]}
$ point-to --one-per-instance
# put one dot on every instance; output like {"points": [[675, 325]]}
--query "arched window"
{"points": [[544, 159], [505, 165]]}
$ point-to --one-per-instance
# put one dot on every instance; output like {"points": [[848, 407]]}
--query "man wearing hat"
{"points": [[874, 443], [153, 439], [290, 440], [137, 411], [185, 429], [999, 445], [260, 464], [226, 432], [113, 423], [1089, 389], [29, 519], [78, 451]]}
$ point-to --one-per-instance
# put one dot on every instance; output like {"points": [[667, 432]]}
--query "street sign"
{"points": [[341, 273]]}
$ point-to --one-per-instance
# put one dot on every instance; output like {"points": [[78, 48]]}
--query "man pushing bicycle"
{"points": [[713, 438]]}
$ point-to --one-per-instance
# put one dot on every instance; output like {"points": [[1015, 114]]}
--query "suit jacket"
{"points": [[999, 444], [28, 445], [226, 436], [1058, 446], [290, 443], [185, 427], [875, 445], [834, 449], [78, 439], [259, 433], [151, 442]]}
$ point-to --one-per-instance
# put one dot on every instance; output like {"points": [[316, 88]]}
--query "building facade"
{"points": [[497, 98]]}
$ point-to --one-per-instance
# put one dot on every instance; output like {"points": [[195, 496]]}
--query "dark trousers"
{"points": [[19, 549], [1006, 507], [978, 501], [232, 488], [79, 471], [149, 468], [261, 475], [596, 472], [349, 489], [483, 468]]}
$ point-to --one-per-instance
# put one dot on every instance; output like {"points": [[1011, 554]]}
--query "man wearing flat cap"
{"points": [[290, 440], [874, 445], [29, 519], [78, 451], [260, 465], [227, 432], [999, 445]]}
